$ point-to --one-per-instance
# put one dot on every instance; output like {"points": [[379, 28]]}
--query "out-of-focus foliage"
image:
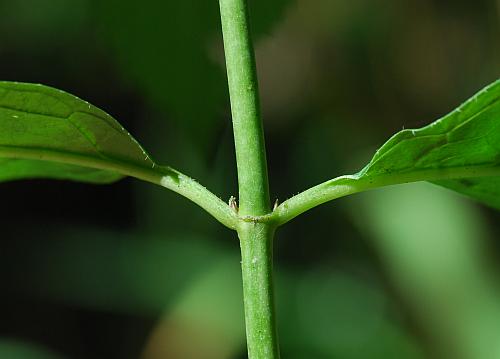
{"points": [[27, 25], [341, 314], [20, 350], [172, 51], [198, 287], [337, 78], [433, 244]]}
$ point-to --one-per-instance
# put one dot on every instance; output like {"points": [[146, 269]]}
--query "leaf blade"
{"points": [[39, 117], [476, 123], [469, 136]]}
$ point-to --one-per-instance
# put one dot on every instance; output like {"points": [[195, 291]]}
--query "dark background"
{"points": [[130, 270]]}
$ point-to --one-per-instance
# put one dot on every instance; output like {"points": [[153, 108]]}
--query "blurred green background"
{"points": [[132, 271]]}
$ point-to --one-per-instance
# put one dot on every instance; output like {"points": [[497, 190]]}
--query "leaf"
{"points": [[45, 132], [467, 138], [460, 151], [40, 122]]}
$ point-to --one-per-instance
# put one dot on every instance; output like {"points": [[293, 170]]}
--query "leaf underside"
{"points": [[468, 137], [36, 119]]}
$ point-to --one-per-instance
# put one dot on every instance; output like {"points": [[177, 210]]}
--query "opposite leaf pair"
{"points": [[45, 132]]}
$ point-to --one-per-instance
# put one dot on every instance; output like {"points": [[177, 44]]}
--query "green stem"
{"points": [[255, 238], [256, 241], [347, 185], [247, 125]]}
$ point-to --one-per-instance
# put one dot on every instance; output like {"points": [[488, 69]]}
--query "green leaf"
{"points": [[460, 151], [45, 132], [467, 138], [39, 122]]}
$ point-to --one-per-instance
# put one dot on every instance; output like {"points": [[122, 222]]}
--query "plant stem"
{"points": [[247, 125], [347, 185], [256, 239]]}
